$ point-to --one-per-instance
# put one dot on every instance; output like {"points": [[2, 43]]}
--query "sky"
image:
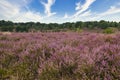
{"points": [[59, 11]]}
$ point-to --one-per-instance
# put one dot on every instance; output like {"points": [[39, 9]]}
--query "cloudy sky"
{"points": [[59, 11]]}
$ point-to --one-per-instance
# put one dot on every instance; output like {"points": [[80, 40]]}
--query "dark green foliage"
{"points": [[33, 27]]}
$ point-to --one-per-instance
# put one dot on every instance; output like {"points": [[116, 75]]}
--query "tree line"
{"points": [[32, 26]]}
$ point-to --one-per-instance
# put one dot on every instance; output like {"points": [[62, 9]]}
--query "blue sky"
{"points": [[59, 11]]}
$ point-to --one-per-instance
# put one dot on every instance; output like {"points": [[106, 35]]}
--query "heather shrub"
{"points": [[60, 56], [85, 72], [3, 37], [8, 60], [75, 43], [49, 73]]}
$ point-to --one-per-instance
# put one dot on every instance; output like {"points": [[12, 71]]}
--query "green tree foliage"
{"points": [[29, 26]]}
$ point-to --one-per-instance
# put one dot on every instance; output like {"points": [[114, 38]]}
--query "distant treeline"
{"points": [[32, 26]]}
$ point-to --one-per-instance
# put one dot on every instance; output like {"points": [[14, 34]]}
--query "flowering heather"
{"points": [[59, 56]]}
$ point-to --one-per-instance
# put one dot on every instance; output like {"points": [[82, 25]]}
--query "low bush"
{"points": [[110, 30]]}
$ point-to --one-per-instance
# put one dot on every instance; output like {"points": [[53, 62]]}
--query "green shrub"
{"points": [[79, 30], [110, 30]]}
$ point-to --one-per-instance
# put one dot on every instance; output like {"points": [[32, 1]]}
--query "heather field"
{"points": [[59, 56]]}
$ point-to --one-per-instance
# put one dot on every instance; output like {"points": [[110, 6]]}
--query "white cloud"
{"points": [[48, 6], [8, 9], [65, 16], [84, 14], [14, 11], [78, 6], [112, 10], [111, 14], [18, 11], [27, 17], [82, 11], [81, 8]]}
